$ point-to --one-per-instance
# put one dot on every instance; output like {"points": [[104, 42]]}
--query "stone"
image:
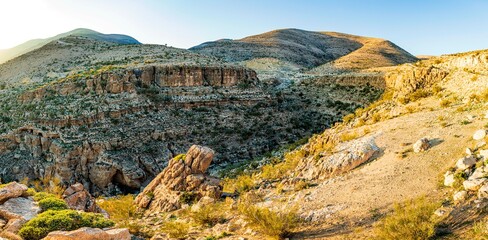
{"points": [[460, 196], [421, 145], [87, 233], [473, 185], [183, 175], [465, 162], [469, 152], [78, 198], [483, 154], [24, 207], [449, 179], [12, 190], [440, 212], [479, 135], [483, 191], [478, 173]]}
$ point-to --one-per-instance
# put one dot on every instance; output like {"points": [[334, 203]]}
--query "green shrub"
{"points": [[413, 220], [52, 203], [42, 195], [67, 220], [209, 215], [242, 183], [188, 197]]}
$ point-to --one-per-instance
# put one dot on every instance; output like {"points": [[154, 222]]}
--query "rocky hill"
{"points": [[110, 115], [8, 54], [306, 49]]}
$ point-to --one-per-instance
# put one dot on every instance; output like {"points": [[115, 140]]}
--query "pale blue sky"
{"points": [[421, 27]]}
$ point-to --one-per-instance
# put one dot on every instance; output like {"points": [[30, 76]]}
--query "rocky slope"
{"points": [[8, 54], [306, 49]]}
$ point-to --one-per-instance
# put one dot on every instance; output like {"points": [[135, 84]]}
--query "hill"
{"points": [[8, 54], [307, 49]]}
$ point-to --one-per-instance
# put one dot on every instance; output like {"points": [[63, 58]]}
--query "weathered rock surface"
{"points": [[90, 234], [184, 174], [78, 198], [345, 157], [12, 190], [421, 145], [479, 135], [449, 179], [474, 185], [24, 207], [460, 196], [408, 78], [465, 162]]}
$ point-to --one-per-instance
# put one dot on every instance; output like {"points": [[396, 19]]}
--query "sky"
{"points": [[422, 27]]}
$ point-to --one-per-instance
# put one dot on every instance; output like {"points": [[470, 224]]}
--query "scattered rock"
{"points": [[465, 162], [479, 135], [483, 191], [78, 198], [24, 207], [460, 196], [421, 145], [469, 152], [449, 179], [473, 185], [440, 212], [90, 234], [484, 154], [478, 173], [184, 175], [12, 190]]}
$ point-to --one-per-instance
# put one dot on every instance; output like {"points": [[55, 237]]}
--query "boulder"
{"points": [[479, 135], [78, 198], [87, 233], [473, 185], [23, 207], [12, 190], [465, 162], [185, 174], [483, 191], [421, 145], [460, 196], [449, 179], [478, 173]]}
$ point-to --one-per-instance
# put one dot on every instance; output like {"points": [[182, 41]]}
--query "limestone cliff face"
{"points": [[126, 80], [408, 78]]}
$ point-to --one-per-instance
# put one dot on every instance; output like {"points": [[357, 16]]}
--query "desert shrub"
{"points": [[43, 195], [120, 208], [480, 229], [48, 184], [279, 170], [242, 183], [412, 220], [208, 215], [348, 118], [188, 197], [272, 223], [67, 220], [445, 103], [176, 229], [180, 157], [52, 203]]}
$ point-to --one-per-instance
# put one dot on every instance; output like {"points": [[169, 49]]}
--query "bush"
{"points": [[208, 215], [413, 220], [274, 224], [242, 183], [177, 230], [43, 195], [119, 208], [52, 203], [188, 197], [67, 220]]}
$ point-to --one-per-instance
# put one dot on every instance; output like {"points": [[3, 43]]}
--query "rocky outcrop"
{"points": [[409, 78], [185, 174], [78, 198], [161, 76], [15, 209], [344, 157], [90, 234], [352, 79]]}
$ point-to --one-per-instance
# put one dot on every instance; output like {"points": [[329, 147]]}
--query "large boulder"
{"points": [[90, 234], [78, 198], [12, 190], [185, 174]]}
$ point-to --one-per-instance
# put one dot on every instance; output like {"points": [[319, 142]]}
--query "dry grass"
{"points": [[412, 220], [176, 229], [240, 184]]}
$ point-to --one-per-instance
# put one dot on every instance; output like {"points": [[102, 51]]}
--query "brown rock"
{"points": [[12, 190], [89, 234], [163, 193], [78, 198]]}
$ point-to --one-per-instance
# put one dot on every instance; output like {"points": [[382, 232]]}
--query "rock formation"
{"points": [[90, 234], [185, 174], [78, 198]]}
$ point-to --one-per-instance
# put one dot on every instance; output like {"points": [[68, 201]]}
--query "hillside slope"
{"points": [[8, 54], [306, 49]]}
